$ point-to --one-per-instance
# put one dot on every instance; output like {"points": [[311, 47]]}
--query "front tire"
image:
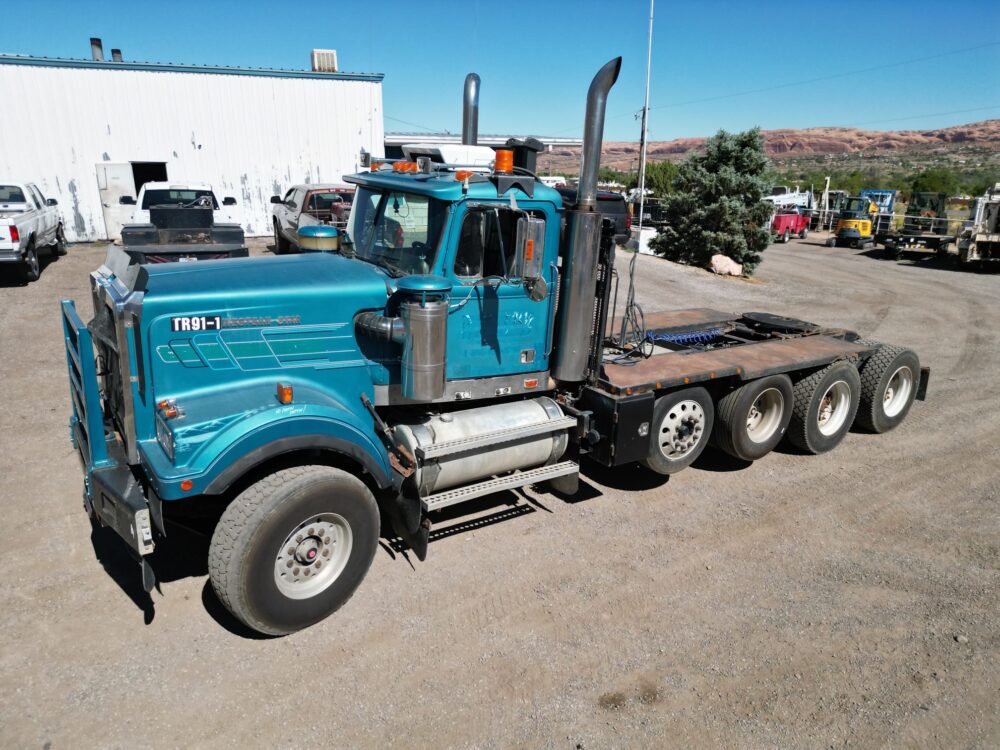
{"points": [[280, 243], [889, 380], [823, 407], [682, 423], [30, 267], [751, 420], [293, 548], [831, 242]]}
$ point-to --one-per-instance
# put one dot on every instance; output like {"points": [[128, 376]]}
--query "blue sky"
{"points": [[905, 65]]}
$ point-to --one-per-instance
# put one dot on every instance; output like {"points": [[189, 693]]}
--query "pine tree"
{"points": [[716, 204]]}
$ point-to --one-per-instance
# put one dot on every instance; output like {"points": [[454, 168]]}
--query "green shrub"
{"points": [[716, 206]]}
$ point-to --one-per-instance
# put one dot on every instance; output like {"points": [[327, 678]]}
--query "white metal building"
{"points": [[91, 131]]}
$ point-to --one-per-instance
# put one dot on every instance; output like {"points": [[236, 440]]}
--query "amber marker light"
{"points": [[284, 393], [186, 485], [463, 174], [531, 383]]}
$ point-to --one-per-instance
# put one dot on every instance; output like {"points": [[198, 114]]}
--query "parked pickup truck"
{"points": [[28, 221], [185, 194], [308, 204], [182, 234], [788, 222]]}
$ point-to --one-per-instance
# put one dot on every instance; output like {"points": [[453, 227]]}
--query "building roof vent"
{"points": [[324, 60]]}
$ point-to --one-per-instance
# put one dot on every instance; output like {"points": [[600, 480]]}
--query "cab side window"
{"points": [[486, 243]]}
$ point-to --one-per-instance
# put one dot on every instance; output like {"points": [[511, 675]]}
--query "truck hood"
{"points": [[264, 279], [290, 292]]}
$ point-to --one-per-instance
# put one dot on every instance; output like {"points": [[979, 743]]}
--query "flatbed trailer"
{"points": [[897, 243]]}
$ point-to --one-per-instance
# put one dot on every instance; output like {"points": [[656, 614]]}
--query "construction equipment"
{"points": [[925, 227], [981, 241], [855, 224]]}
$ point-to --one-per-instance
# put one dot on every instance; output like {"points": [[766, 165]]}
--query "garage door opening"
{"points": [[148, 171]]}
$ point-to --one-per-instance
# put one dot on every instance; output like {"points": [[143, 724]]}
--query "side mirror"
{"points": [[229, 201], [530, 246], [51, 202], [127, 200], [274, 199]]}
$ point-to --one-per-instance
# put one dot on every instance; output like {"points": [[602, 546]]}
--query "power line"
{"points": [[790, 84], [415, 125], [830, 77], [916, 117]]}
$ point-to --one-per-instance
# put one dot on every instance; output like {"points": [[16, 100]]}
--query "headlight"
{"points": [[164, 436]]}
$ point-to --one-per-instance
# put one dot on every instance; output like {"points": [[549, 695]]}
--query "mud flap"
{"points": [[409, 523], [925, 376]]}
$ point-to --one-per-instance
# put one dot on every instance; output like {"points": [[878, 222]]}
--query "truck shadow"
{"points": [[11, 277]]}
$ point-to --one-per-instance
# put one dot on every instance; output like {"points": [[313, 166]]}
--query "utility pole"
{"points": [[642, 138]]}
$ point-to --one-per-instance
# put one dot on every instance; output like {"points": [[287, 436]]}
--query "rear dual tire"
{"points": [[889, 381], [824, 405], [681, 428], [751, 420]]}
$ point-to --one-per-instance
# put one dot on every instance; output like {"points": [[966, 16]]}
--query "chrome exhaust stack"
{"points": [[577, 320], [470, 111]]}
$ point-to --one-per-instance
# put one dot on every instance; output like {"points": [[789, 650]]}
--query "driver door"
{"points": [[495, 328]]}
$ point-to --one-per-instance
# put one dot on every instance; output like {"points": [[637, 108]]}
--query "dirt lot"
{"points": [[850, 599]]}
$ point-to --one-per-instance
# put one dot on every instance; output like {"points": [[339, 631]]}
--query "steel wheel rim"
{"points": [[765, 415], [833, 408], [313, 556], [681, 430], [897, 391]]}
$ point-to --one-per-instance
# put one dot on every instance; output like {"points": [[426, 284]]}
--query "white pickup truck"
{"points": [[185, 194], [28, 222]]}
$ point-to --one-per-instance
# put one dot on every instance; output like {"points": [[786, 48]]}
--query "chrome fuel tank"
{"points": [[496, 423]]}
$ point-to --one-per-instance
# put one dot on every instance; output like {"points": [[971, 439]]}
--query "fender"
{"points": [[255, 446], [258, 456]]}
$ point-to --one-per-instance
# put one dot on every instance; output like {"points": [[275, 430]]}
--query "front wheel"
{"points": [[280, 243], [30, 267], [682, 424], [293, 548], [823, 409], [831, 242], [751, 420]]}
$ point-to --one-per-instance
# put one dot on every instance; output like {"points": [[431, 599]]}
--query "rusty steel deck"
{"points": [[666, 369]]}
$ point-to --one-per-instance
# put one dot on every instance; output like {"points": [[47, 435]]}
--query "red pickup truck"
{"points": [[784, 225]]}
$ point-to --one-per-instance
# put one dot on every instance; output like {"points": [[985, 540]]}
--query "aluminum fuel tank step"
{"points": [[509, 482]]}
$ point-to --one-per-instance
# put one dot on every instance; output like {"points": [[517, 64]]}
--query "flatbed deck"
{"points": [[667, 367]]}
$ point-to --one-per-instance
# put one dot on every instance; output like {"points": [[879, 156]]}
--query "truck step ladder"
{"points": [[507, 482], [494, 438]]}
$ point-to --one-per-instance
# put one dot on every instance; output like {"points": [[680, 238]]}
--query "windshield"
{"points": [[400, 231], [858, 204], [11, 194], [176, 198]]}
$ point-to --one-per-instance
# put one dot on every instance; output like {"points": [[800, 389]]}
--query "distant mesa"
{"points": [[791, 143]]}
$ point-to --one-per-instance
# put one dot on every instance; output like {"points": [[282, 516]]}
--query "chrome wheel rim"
{"points": [[681, 430], [313, 556], [833, 408], [897, 391], [765, 415]]}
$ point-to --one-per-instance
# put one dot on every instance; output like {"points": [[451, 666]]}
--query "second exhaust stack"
{"points": [[577, 322]]}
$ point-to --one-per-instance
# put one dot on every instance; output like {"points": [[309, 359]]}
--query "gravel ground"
{"points": [[849, 599]]}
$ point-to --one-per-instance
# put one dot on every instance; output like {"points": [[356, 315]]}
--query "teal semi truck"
{"points": [[460, 341]]}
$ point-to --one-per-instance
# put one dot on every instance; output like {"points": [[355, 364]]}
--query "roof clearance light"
{"points": [[404, 166], [284, 393], [463, 174], [504, 162]]}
